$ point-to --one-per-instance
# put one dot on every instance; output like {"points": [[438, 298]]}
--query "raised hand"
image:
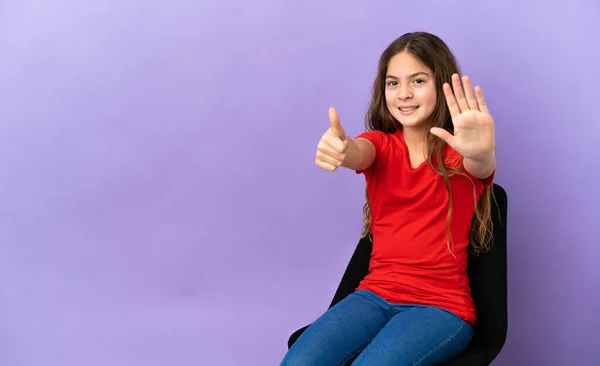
{"points": [[331, 150], [473, 124]]}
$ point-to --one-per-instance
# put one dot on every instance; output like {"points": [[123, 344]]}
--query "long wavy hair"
{"points": [[436, 55]]}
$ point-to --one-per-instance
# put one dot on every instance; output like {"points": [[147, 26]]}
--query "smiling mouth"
{"points": [[408, 109]]}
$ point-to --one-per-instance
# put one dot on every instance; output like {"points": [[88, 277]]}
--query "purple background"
{"points": [[160, 204]]}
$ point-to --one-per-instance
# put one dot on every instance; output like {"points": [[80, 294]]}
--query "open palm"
{"points": [[473, 124]]}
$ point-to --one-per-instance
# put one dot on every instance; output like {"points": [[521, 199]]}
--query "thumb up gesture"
{"points": [[331, 150]]}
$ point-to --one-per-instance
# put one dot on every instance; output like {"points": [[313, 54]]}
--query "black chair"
{"points": [[487, 274]]}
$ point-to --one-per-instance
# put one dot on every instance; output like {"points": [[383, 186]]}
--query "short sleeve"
{"points": [[379, 139]]}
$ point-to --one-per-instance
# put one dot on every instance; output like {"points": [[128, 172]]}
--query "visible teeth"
{"points": [[407, 109]]}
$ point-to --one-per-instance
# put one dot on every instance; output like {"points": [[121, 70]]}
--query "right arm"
{"points": [[360, 154]]}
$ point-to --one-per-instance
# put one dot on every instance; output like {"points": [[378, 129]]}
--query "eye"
{"points": [[419, 81], [392, 83]]}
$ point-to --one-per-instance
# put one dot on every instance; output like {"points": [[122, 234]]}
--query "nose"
{"points": [[404, 93]]}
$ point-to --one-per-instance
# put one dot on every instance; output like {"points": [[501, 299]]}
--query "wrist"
{"points": [[481, 166], [487, 157]]}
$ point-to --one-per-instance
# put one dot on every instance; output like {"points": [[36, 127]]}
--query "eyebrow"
{"points": [[409, 76]]}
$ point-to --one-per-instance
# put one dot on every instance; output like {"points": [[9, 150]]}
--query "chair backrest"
{"points": [[487, 274], [488, 278]]}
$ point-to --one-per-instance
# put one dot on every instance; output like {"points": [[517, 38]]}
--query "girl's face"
{"points": [[410, 90]]}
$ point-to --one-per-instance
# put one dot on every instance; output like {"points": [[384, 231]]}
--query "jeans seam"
{"points": [[387, 309], [441, 344]]}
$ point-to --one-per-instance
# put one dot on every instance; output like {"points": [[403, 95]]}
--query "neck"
{"points": [[416, 138]]}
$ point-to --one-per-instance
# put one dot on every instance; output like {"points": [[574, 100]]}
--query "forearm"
{"points": [[482, 166], [359, 154]]}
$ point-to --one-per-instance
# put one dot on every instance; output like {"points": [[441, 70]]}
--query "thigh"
{"points": [[418, 336], [339, 334]]}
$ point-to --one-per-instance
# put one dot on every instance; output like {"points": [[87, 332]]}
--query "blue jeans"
{"points": [[364, 329]]}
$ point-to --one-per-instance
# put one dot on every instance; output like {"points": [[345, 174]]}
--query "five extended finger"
{"points": [[459, 93], [481, 100], [470, 96], [451, 101]]}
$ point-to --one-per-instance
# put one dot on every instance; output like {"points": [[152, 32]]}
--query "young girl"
{"points": [[428, 159]]}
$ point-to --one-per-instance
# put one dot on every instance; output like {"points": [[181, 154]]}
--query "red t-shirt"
{"points": [[410, 262]]}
